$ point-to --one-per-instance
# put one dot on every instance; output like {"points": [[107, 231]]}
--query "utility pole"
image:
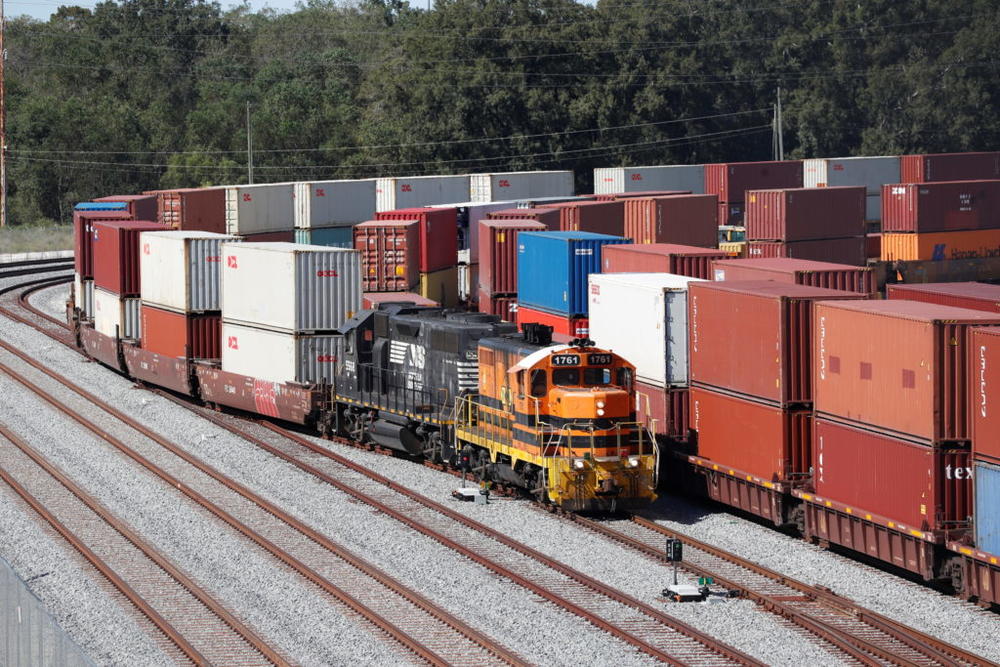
{"points": [[3, 124], [249, 146], [781, 139]]}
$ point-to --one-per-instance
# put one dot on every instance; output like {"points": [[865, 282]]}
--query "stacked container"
{"points": [[390, 255], [974, 296], [413, 191], [519, 185], [438, 250], [682, 219], [547, 216], [681, 260], [949, 167], [870, 172], [140, 207], [84, 216], [801, 272], [730, 182], [497, 280], [192, 209], [609, 180], [599, 217], [469, 214], [262, 212], [985, 379], [326, 211]]}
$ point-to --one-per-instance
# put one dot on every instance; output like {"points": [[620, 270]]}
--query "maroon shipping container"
{"points": [[192, 209], [850, 251], [668, 406], [371, 300], [389, 254], [805, 214], [498, 253], [896, 479], [731, 213], [140, 207], [984, 375], [974, 296], [181, 335], [547, 216], [873, 246], [438, 235], [731, 180], [799, 271], [503, 306], [683, 219], [600, 217], [681, 260], [754, 337], [948, 167], [115, 247], [83, 236], [767, 441], [899, 367], [941, 207]]}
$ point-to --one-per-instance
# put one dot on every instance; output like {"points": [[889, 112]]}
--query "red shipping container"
{"points": [[498, 253], [731, 180], [115, 247], [181, 335], [949, 167], [615, 196], [929, 488], [799, 271], [683, 219], [140, 207], [547, 216], [899, 367], [192, 209], [974, 296], [83, 237], [984, 375], [838, 251], [873, 246], [941, 207], [754, 337], [680, 260], [600, 217], [503, 306], [438, 235], [805, 214], [731, 213], [371, 300], [668, 406], [764, 440], [389, 254], [573, 327]]}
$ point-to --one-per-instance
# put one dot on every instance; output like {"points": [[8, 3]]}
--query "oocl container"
{"points": [[871, 172], [290, 287], [984, 381], [600, 217], [519, 184], [498, 253], [851, 251], [643, 317], [181, 270], [974, 296], [260, 208], [681, 260], [552, 269], [140, 207], [180, 335], [900, 367], [974, 244], [412, 191], [390, 254], [987, 497], [949, 167], [192, 209], [333, 203], [682, 219], [662, 177], [929, 488], [116, 317], [280, 356], [115, 245], [730, 181], [805, 214], [83, 236], [799, 271], [941, 207], [438, 235], [547, 216]]}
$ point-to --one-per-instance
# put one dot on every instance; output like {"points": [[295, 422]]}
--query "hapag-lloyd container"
{"points": [[438, 235], [140, 207], [974, 296], [390, 254], [682, 219], [182, 270], [180, 335], [83, 236], [599, 217], [547, 216], [851, 250], [260, 208], [681, 260], [755, 337], [929, 488], [116, 317], [115, 246], [984, 378], [941, 207], [332, 203], [805, 214], [799, 271], [280, 356], [667, 406], [498, 253], [987, 499], [643, 317], [519, 185], [730, 181], [552, 269], [973, 244], [503, 306], [413, 191], [767, 441], [290, 287], [609, 180], [372, 300], [900, 367], [949, 167], [567, 327], [192, 209]]}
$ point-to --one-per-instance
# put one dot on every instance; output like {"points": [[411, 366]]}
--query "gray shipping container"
{"points": [[411, 191], [520, 184], [871, 172], [333, 203], [260, 209], [280, 356], [609, 180]]}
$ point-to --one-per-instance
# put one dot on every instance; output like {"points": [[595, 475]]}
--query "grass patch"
{"points": [[36, 238]]}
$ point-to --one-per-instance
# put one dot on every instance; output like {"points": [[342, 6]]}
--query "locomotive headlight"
{"points": [[633, 462], [579, 464], [600, 404], [600, 412]]}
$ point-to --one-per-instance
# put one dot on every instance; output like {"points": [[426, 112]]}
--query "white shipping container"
{"points": [[643, 318], [181, 271], [871, 172], [277, 356], [114, 316], [290, 286], [83, 295], [260, 209], [609, 180], [333, 203], [411, 191], [519, 185]]}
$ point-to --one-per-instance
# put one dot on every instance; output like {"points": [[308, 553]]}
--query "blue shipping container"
{"points": [[552, 269], [334, 237], [987, 520], [101, 206]]}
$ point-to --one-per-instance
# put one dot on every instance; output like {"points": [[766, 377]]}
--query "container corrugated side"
{"points": [[681, 219], [180, 335], [115, 246], [660, 258], [984, 377], [690, 177], [83, 234], [503, 306], [84, 294], [799, 271], [974, 296], [412, 191], [390, 255], [333, 203], [193, 209], [331, 237], [730, 181], [519, 185], [115, 316], [973, 244], [949, 167], [664, 411], [941, 207], [805, 214], [276, 356], [260, 209], [987, 498], [498, 253], [837, 251], [870, 171], [182, 270]]}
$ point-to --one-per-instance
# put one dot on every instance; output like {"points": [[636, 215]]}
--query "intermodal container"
{"points": [[928, 488], [469, 215], [498, 253], [140, 207], [566, 326], [767, 441], [643, 317], [681, 260], [599, 217], [690, 177], [974, 296], [552, 269], [331, 237], [503, 306], [90, 206], [871, 172], [941, 207], [413, 191], [83, 295], [438, 235], [181, 335], [280, 356], [260, 209], [115, 316], [949, 167], [192, 209], [984, 377], [519, 185], [900, 367], [754, 337], [83, 237], [975, 244], [731, 213], [987, 498], [182, 270], [798, 271], [547, 216], [682, 219], [333, 203], [372, 300], [805, 214], [644, 194], [390, 254], [290, 287], [440, 286], [664, 410], [850, 251], [115, 245], [873, 246], [730, 181]]}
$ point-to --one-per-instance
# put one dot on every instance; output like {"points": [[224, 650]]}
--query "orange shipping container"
{"points": [[974, 244], [180, 335]]}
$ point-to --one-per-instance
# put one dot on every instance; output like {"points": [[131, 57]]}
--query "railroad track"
{"points": [[31, 267]]}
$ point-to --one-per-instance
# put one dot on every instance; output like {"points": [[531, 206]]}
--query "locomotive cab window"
{"points": [[539, 383], [565, 377], [596, 376], [625, 379]]}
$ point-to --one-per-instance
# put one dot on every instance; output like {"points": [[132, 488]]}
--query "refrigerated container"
{"points": [[949, 167], [804, 214], [941, 207], [180, 335], [181, 270], [937, 246], [519, 185], [689, 177], [333, 203], [413, 191], [115, 248], [192, 209], [280, 356], [260, 208], [115, 316], [799, 271], [498, 253], [851, 250], [681, 219], [438, 234], [731, 180], [681, 260], [390, 254]]}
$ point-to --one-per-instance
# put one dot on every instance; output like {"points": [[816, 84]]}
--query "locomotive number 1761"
{"points": [[566, 360]]}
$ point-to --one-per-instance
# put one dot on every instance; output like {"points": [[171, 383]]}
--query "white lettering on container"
{"points": [[822, 348], [982, 381], [957, 472]]}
